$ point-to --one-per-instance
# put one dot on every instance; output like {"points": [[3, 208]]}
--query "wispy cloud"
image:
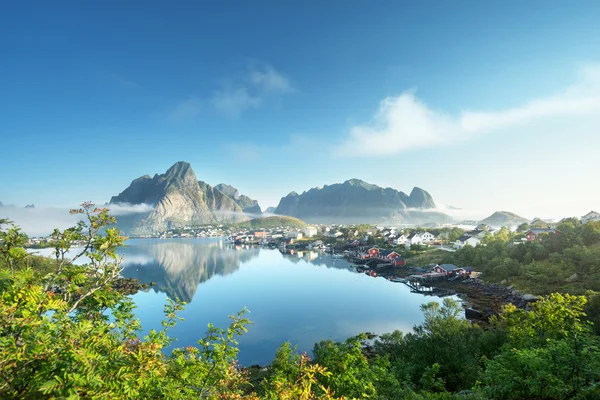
{"points": [[244, 152], [259, 83], [233, 101], [269, 80], [404, 122], [128, 209], [186, 109]]}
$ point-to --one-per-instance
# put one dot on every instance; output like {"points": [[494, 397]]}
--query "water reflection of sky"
{"points": [[297, 298]]}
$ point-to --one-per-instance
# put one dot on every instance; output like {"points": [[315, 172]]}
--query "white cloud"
{"points": [[186, 109], [251, 91], [404, 122], [233, 101], [128, 209], [270, 80]]}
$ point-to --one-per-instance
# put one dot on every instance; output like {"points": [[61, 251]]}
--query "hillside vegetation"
{"points": [[271, 222]]}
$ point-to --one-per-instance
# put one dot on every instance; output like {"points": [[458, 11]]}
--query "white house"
{"points": [[310, 231], [591, 216], [293, 235], [400, 240], [466, 240], [427, 237], [413, 238]]}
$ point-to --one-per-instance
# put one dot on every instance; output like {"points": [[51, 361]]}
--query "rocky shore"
{"points": [[486, 298], [482, 299], [128, 286]]}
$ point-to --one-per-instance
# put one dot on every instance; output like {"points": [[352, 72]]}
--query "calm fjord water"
{"points": [[301, 298]]}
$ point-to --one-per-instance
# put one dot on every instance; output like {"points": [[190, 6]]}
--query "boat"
{"points": [[338, 256]]}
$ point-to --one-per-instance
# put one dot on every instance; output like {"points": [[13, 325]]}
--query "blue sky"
{"points": [[486, 106]]}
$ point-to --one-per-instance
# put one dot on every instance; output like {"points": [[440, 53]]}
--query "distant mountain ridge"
{"points": [[503, 218], [357, 201], [178, 199], [248, 205]]}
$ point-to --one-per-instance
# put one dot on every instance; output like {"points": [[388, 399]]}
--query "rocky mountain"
{"points": [[503, 218], [1, 205], [30, 206], [177, 199], [246, 203], [270, 210], [357, 201]]}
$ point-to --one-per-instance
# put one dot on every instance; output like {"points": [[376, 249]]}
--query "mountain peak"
{"points": [[357, 201], [179, 169], [503, 218], [228, 190], [248, 205], [177, 199], [421, 198], [360, 183]]}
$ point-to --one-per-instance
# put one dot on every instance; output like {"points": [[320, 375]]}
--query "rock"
{"points": [[471, 313], [573, 278], [503, 282], [530, 297], [249, 206]]}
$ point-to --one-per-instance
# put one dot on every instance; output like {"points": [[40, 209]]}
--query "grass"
{"points": [[271, 222]]}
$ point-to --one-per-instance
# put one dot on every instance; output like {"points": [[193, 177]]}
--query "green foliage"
{"points": [[57, 341], [12, 240], [550, 353], [567, 261], [271, 222]]}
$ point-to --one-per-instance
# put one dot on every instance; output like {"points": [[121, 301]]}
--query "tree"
{"points": [[12, 241], [524, 227], [550, 352], [56, 340]]}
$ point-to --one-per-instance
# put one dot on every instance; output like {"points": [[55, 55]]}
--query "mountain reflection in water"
{"points": [[178, 266]]}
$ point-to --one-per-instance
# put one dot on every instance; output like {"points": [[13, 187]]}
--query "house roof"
{"points": [[474, 232], [385, 253], [468, 269], [465, 237], [448, 267], [413, 234]]}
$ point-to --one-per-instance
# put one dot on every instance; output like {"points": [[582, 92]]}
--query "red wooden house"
{"points": [[447, 269], [373, 252], [532, 234], [398, 262]]}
